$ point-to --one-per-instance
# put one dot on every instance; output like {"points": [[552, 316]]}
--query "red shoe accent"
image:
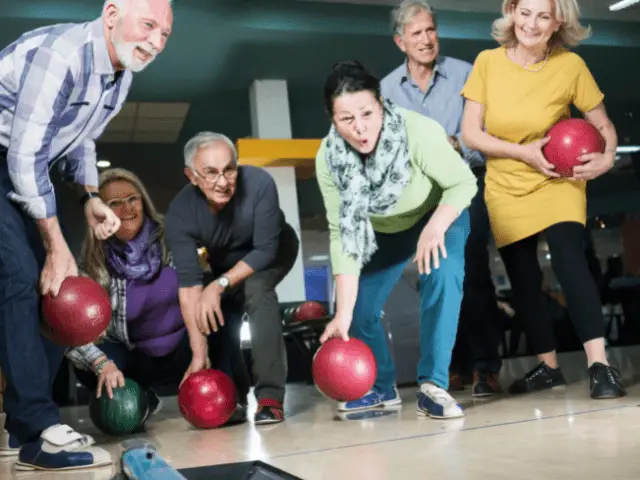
{"points": [[270, 402]]}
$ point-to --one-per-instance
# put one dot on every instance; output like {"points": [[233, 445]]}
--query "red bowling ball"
{"points": [[344, 370], [309, 311], [207, 398], [78, 314], [570, 139]]}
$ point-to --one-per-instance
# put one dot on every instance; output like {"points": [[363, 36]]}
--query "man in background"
{"points": [[430, 84]]}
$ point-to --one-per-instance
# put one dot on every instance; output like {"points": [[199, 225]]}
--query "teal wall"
{"points": [[219, 47]]}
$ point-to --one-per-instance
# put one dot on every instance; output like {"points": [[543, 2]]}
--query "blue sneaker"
{"points": [[436, 402], [61, 448], [9, 445], [372, 399]]}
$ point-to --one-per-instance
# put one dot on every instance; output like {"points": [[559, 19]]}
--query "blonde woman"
{"points": [[146, 340], [518, 91]]}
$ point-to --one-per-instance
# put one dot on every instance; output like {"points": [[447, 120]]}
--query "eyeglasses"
{"points": [[212, 176], [120, 202]]}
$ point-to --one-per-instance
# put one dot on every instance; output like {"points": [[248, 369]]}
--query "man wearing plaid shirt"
{"points": [[60, 85]]}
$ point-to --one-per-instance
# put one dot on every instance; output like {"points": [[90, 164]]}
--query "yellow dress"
{"points": [[520, 107]]}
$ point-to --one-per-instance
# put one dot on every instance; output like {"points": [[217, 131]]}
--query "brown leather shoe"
{"points": [[457, 382], [485, 384]]}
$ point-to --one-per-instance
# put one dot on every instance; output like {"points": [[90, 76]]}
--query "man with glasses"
{"points": [[234, 213], [430, 83]]}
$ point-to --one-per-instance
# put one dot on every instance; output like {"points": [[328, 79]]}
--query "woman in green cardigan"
{"points": [[394, 189]]}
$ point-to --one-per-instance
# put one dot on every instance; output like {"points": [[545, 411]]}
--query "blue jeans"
{"points": [[29, 361], [440, 298]]}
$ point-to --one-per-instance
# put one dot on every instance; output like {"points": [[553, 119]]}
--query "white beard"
{"points": [[127, 56]]}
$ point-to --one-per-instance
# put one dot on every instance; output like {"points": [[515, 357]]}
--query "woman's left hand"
{"points": [[594, 165], [430, 247]]}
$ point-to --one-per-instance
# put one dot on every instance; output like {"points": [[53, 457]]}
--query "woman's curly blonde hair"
{"points": [[570, 33]]}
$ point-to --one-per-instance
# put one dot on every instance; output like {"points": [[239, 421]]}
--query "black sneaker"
{"points": [[269, 411], [541, 377], [485, 384], [155, 404], [239, 415], [605, 382]]}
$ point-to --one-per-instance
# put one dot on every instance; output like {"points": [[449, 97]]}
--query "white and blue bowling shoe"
{"points": [[436, 402], [372, 399], [61, 448]]}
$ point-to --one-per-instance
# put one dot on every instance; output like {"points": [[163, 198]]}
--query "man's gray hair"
{"points": [[402, 15], [204, 139]]}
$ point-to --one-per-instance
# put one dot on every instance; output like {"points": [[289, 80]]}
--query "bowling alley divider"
{"points": [[3, 386]]}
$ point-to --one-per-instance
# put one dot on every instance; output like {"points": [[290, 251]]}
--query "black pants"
{"points": [[569, 263], [160, 373], [481, 326], [29, 361], [257, 297]]}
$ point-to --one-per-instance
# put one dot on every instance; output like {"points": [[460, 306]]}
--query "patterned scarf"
{"points": [[372, 188], [138, 259]]}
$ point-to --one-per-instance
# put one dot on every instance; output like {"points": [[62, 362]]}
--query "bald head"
{"points": [[124, 4]]}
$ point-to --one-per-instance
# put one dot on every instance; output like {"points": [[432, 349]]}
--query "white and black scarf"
{"points": [[370, 188]]}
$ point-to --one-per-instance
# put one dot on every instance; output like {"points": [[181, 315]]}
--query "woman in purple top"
{"points": [[146, 339]]}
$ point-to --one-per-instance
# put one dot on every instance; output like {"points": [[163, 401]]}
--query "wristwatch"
{"points": [[223, 282], [87, 196]]}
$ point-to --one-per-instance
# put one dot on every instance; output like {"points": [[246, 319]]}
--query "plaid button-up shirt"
{"points": [[58, 91]]}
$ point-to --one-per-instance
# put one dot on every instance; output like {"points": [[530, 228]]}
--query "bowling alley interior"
{"points": [[255, 71]]}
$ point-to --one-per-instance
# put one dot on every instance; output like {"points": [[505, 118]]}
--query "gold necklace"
{"points": [[546, 59]]}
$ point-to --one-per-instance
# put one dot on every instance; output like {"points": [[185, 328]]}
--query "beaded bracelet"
{"points": [[101, 365]]}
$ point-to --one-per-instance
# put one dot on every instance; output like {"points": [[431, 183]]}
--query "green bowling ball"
{"points": [[123, 414]]}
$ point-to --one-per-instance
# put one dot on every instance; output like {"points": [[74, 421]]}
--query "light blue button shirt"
{"points": [[442, 101]]}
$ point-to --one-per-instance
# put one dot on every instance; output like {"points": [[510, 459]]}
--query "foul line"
{"points": [[434, 434]]}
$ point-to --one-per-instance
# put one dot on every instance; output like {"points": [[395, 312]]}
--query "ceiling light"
{"points": [[628, 148], [622, 4], [318, 258], [103, 163]]}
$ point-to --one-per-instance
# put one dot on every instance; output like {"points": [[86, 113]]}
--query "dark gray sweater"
{"points": [[247, 228]]}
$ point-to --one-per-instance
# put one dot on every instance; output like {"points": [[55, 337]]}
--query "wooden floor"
{"points": [[556, 435]]}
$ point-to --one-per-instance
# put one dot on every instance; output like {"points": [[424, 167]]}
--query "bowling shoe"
{"points": [[239, 415], [9, 446], [372, 399], [269, 411], [605, 382], [485, 384], [542, 377], [155, 403], [436, 402], [61, 448]]}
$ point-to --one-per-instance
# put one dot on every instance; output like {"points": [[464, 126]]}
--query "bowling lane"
{"points": [[497, 436]]}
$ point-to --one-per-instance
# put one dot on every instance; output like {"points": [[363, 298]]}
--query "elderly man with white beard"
{"points": [[60, 85]]}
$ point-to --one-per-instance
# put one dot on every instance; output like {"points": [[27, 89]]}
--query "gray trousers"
{"points": [[258, 299]]}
